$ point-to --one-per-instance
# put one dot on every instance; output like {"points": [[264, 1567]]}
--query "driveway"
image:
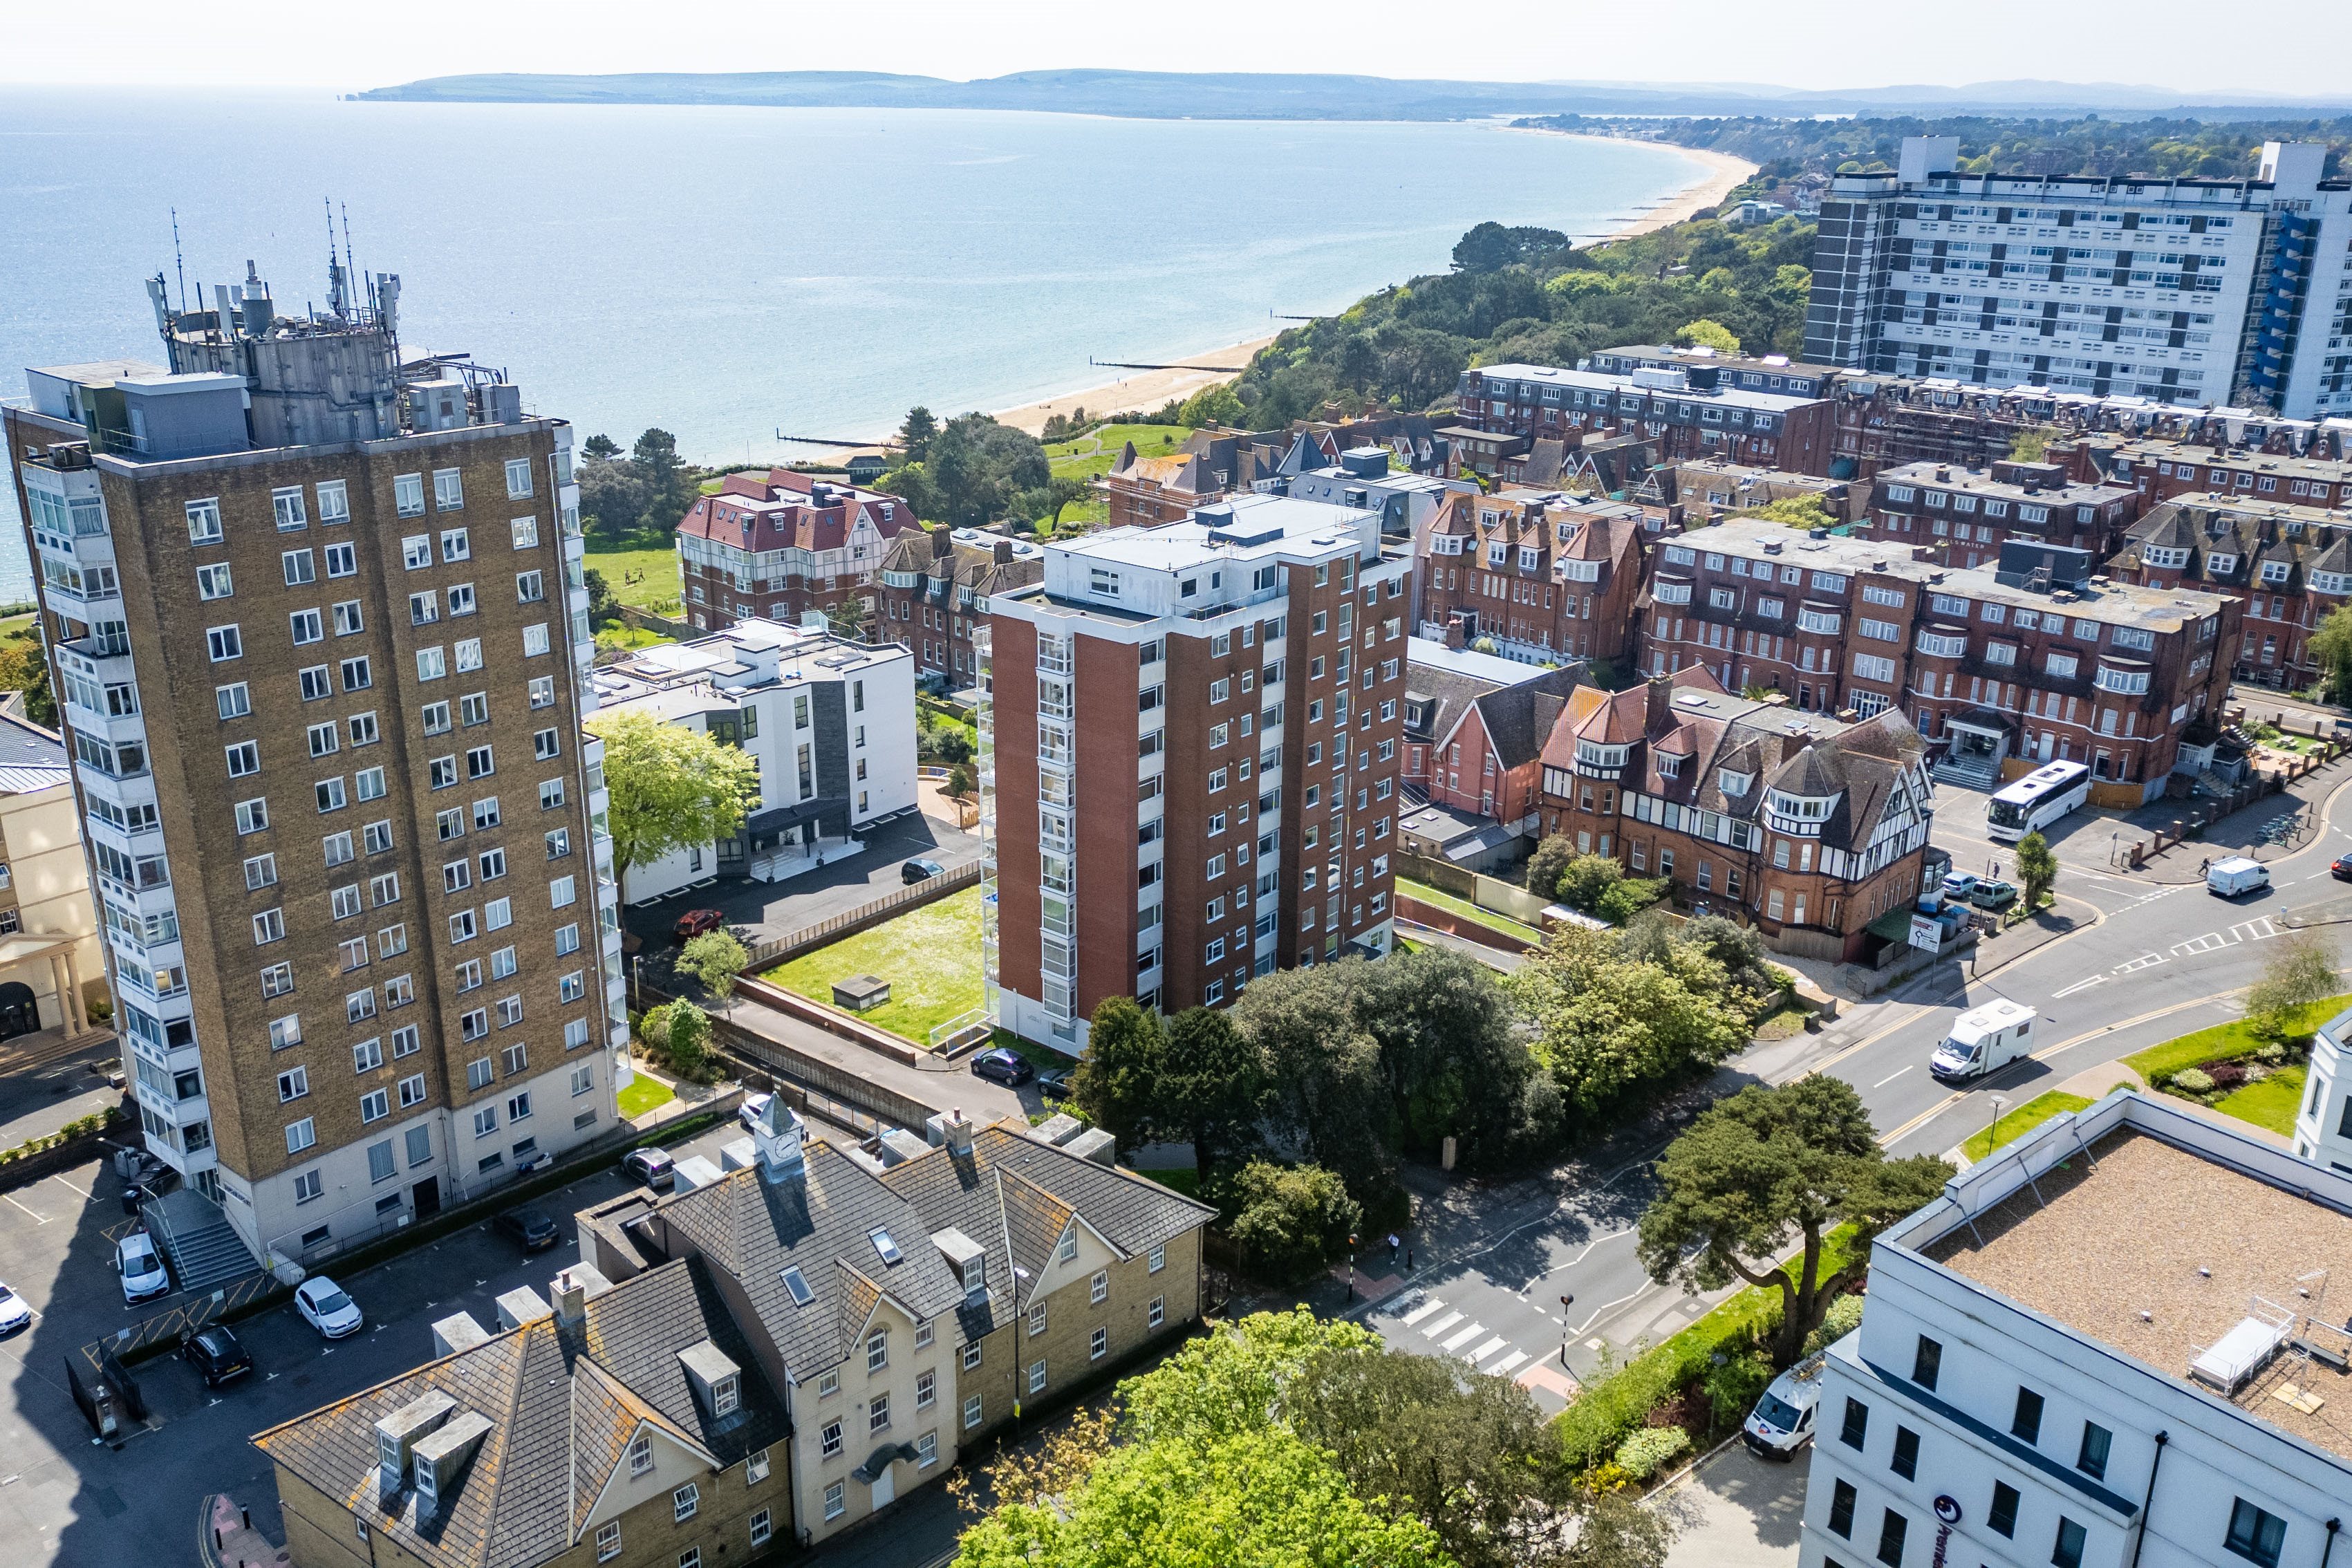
{"points": [[760, 910], [1737, 1510]]}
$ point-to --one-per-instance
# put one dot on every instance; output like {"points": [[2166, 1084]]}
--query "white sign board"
{"points": [[1926, 931]]}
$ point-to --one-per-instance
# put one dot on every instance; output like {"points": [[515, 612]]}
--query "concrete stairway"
{"points": [[196, 1240], [1975, 774]]}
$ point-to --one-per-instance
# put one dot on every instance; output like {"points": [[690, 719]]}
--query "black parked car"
{"points": [[921, 870], [1054, 1083], [1005, 1067], [535, 1229], [216, 1356]]}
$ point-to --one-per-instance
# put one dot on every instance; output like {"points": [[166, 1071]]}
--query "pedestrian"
{"points": [[1393, 1249]]}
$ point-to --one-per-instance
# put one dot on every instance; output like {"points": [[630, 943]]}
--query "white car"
{"points": [[142, 1267], [325, 1307], [14, 1313], [754, 1107]]}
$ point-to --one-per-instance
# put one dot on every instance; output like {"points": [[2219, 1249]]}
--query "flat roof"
{"points": [[1933, 475], [2140, 1225], [1610, 381], [1435, 654], [1260, 526]]}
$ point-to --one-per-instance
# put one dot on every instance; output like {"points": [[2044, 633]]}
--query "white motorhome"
{"points": [[1984, 1039]]}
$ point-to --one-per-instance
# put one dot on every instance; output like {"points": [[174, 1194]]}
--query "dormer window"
{"points": [[1669, 766], [2275, 570], [726, 1394], [1591, 755], [2220, 565], [1735, 784], [975, 1276]]}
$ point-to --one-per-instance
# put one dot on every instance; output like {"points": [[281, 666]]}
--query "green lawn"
{"points": [[629, 637], [930, 956], [2225, 1041], [2270, 1103], [1467, 909], [657, 569], [2015, 1124], [1092, 455], [642, 1094], [15, 626]]}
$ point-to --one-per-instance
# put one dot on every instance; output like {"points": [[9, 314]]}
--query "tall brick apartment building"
{"points": [[780, 546], [2289, 565], [1192, 736], [933, 591], [1695, 409], [2037, 659], [1966, 515], [315, 625], [1546, 574], [1797, 823]]}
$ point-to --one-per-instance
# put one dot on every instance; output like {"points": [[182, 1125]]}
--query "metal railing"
{"points": [[794, 942]]}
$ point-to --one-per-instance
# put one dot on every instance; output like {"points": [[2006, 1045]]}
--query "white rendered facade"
{"points": [[2323, 1127], [1960, 1426]]}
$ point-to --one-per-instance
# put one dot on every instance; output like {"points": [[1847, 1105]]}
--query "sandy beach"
{"points": [[1147, 389]]}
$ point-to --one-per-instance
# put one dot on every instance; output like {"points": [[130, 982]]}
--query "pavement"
{"points": [[759, 911], [1737, 1510], [48, 1080]]}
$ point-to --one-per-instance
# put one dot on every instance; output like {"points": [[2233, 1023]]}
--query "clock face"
{"points": [[1948, 1510]]}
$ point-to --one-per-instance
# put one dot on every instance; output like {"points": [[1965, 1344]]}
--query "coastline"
{"points": [[1149, 389]]}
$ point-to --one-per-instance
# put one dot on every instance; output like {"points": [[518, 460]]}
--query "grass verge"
{"points": [[1186, 1181], [2015, 1124], [642, 1094], [2270, 1103], [2226, 1042], [929, 955], [1467, 909], [654, 569]]}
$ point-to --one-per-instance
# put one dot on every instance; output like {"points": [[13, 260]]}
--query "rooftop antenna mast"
{"points": [[178, 265], [349, 270]]}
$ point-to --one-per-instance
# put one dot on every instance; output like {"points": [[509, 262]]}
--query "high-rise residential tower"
{"points": [[1188, 763], [315, 619]]}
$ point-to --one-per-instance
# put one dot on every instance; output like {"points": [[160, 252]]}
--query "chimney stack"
{"points": [[1004, 551], [570, 1300], [1661, 694], [943, 542]]}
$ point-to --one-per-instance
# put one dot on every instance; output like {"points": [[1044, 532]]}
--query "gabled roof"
{"points": [[1519, 718], [563, 1404]]}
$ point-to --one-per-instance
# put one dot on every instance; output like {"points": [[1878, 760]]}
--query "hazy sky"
{"points": [[2291, 47]]}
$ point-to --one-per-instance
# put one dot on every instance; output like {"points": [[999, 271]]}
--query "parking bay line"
{"points": [[40, 1219]]}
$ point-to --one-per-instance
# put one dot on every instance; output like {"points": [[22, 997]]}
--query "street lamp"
{"points": [[1992, 1133]]}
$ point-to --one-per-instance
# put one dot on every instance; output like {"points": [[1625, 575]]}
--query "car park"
{"points": [[14, 1312], [1005, 1067], [215, 1354], [325, 1307], [534, 1229], [650, 1166], [142, 1267], [921, 870], [694, 922]]}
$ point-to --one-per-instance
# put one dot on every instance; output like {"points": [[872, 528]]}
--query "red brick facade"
{"points": [[780, 546], [1543, 573]]}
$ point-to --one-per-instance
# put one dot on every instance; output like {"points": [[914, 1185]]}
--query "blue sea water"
{"points": [[727, 273]]}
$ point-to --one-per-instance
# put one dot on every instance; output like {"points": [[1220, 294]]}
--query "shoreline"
{"points": [[1149, 389]]}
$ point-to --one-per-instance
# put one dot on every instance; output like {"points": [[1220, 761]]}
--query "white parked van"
{"points": [[2235, 876], [1983, 1039], [1782, 1421]]}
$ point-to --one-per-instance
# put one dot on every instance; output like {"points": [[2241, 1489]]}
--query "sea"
{"points": [[734, 274]]}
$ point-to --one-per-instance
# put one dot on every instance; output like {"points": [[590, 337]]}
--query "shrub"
{"points": [[1288, 1222], [1734, 1384], [2272, 1054], [1844, 1316], [1641, 1455], [1544, 866], [2225, 1074], [2192, 1080]]}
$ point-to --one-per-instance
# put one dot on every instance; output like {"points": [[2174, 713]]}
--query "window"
{"points": [[269, 926], [2097, 1443], [2066, 1552], [2255, 1535], [761, 1528], [684, 1502], [608, 1536], [971, 1410], [926, 1387], [374, 1106], [755, 1469], [971, 1356], [529, 587], [214, 582], [1842, 1497], [286, 506], [2026, 1425], [293, 1084], [517, 477], [307, 626], [1158, 1260], [927, 1450], [833, 1505], [2002, 1518], [299, 1136], [204, 521], [243, 759], [1906, 1462], [1036, 1319], [1892, 1529], [448, 488], [1159, 1312], [877, 1350], [225, 643], [1927, 1362], [357, 677], [1098, 1344], [877, 1414], [461, 600], [432, 663], [1038, 1376]]}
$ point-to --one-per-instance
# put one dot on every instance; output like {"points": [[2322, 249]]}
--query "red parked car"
{"points": [[694, 922]]}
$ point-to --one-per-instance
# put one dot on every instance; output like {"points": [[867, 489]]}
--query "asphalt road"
{"points": [[2160, 960]]}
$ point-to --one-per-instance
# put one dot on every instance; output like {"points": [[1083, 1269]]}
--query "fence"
{"points": [[167, 1328], [660, 626], [846, 1097], [1487, 892], [848, 922]]}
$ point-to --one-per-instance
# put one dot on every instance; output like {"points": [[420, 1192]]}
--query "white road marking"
{"points": [[1890, 1078], [2145, 961], [1463, 1338], [1439, 1326], [1485, 1350], [1424, 1309], [1503, 1368], [40, 1219], [70, 1186], [2079, 986]]}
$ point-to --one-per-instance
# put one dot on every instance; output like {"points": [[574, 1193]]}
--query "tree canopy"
{"points": [[1610, 1021], [968, 471], [671, 788], [1766, 1167]]}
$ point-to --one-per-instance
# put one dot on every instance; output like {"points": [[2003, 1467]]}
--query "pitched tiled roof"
{"points": [[1519, 718], [561, 1402], [2242, 534]]}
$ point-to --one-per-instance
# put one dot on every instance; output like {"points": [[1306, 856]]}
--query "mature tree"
{"points": [[2299, 975], [1707, 334], [1806, 512], [2037, 869], [1212, 406], [671, 788], [2032, 444], [1233, 1378], [1608, 1025], [1545, 865], [1114, 1080], [977, 467], [602, 605], [685, 1037], [25, 666], [1585, 879], [915, 434], [613, 496], [1451, 1055], [1767, 1164], [1736, 950], [1064, 491], [1325, 1069], [1490, 247], [656, 457], [1290, 1220], [1207, 1087], [715, 957], [603, 447], [2330, 647]]}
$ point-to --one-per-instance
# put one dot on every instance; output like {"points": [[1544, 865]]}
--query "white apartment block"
{"points": [[2323, 1130], [2118, 1342], [829, 721], [2194, 292]]}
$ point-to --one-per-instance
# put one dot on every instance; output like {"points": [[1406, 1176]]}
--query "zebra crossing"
{"points": [[1452, 1334]]}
